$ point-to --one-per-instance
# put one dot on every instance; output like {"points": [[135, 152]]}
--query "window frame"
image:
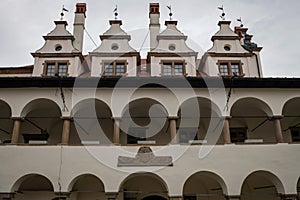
{"points": [[229, 64], [114, 64], [173, 63], [56, 71]]}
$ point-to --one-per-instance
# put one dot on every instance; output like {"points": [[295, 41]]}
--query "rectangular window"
{"points": [[187, 134], [295, 133], [173, 68], [230, 68], [55, 68], [115, 68], [238, 134]]}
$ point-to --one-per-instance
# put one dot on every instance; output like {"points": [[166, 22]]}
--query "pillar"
{"points": [[16, 130], [173, 130], [111, 195], [66, 130], [226, 131], [277, 127], [116, 136], [233, 197]]}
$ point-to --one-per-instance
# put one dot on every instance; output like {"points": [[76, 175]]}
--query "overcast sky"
{"points": [[275, 25]]}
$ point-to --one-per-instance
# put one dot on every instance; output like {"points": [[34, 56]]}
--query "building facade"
{"points": [[112, 125]]}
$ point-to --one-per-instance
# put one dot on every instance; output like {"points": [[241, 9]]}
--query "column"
{"points": [[226, 131], [66, 130], [116, 136], [277, 127], [16, 130], [111, 195], [173, 130], [233, 197]]}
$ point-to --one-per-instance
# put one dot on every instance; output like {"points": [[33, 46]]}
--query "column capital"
{"points": [[61, 195], [277, 117], [227, 117], [232, 197], [288, 196], [173, 117], [111, 195], [67, 118], [116, 118], [176, 198], [18, 118]]}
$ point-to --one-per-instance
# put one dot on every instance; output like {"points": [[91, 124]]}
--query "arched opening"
{"points": [[33, 187], [92, 124], [251, 122], [199, 122], [5, 123], [291, 121], [87, 187], [261, 185], [144, 121], [204, 186], [42, 123], [143, 186]]}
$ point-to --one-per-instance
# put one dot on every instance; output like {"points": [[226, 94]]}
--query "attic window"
{"points": [[114, 47], [172, 47], [58, 47], [227, 47]]}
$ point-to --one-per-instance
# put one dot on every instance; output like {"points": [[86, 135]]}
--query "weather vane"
{"points": [[223, 12], [241, 22], [116, 12], [170, 13], [62, 14]]}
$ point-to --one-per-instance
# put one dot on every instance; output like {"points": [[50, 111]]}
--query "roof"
{"points": [[17, 70]]}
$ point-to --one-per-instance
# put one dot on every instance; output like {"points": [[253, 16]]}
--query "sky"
{"points": [[275, 25]]}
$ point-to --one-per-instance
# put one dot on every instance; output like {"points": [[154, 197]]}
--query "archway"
{"points": [[87, 187], [204, 186], [42, 122], [33, 187], [291, 121], [145, 120], [5, 123], [251, 121], [143, 186], [93, 123], [199, 119], [261, 185]]}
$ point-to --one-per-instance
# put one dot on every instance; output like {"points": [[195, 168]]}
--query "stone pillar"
{"points": [[277, 127], [111, 195], [16, 130], [226, 131], [173, 130], [176, 198], [116, 136], [233, 197], [66, 130]]}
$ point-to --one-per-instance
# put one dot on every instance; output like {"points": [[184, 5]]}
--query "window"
{"points": [[173, 68], [238, 134], [230, 68], [117, 68], [295, 133], [56, 68], [187, 134], [136, 134]]}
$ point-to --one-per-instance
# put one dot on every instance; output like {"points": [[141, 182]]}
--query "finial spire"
{"points": [[170, 13], [62, 14], [241, 22], [116, 12], [223, 12]]}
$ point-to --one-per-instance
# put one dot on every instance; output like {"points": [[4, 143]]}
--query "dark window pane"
{"points": [[120, 69], [108, 69], [235, 68], [178, 69], [224, 69], [50, 69], [62, 69], [238, 134], [167, 69]]}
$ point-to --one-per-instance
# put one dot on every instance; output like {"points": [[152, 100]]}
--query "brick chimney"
{"points": [[79, 25], [154, 25]]}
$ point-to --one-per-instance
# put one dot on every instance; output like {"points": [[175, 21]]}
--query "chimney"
{"points": [[79, 23], [154, 25]]}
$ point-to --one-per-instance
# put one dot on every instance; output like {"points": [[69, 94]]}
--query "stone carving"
{"points": [[145, 157]]}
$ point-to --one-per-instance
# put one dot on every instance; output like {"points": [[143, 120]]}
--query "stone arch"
{"points": [[291, 122], [199, 119], [87, 186], [144, 119], [42, 121], [205, 184], [6, 123], [251, 120], [142, 185], [33, 186], [92, 122], [261, 185]]}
